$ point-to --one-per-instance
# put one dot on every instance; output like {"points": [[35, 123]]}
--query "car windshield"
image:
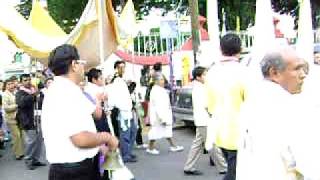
{"points": [[184, 99]]}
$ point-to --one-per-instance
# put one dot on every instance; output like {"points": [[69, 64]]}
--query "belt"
{"points": [[74, 164]]}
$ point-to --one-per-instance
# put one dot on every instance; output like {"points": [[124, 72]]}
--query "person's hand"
{"points": [[108, 113], [101, 97], [104, 150], [111, 141], [98, 112], [36, 93]]}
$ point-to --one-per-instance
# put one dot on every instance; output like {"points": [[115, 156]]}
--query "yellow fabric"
{"points": [[185, 70], [127, 19], [38, 41], [42, 21], [224, 104], [113, 21], [211, 99], [24, 36]]}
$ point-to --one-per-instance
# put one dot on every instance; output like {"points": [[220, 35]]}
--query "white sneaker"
{"points": [[152, 151], [176, 148], [142, 146]]}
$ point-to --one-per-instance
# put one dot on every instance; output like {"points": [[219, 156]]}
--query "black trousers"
{"points": [[84, 170], [231, 158], [96, 162]]}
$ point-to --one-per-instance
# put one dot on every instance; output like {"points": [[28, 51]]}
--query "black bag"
{"points": [[114, 120]]}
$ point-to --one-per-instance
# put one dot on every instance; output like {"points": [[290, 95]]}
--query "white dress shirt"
{"points": [[119, 96], [200, 104], [93, 90], [267, 139], [66, 112]]}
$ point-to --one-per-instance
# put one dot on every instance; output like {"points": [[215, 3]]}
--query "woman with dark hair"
{"points": [[94, 89]]}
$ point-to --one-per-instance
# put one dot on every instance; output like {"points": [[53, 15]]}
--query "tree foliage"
{"points": [[292, 7], [67, 12]]}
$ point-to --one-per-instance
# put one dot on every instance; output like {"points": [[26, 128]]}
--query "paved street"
{"points": [[166, 166]]}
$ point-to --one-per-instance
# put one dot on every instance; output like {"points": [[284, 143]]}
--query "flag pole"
{"points": [[133, 59], [100, 4], [213, 29], [305, 32]]}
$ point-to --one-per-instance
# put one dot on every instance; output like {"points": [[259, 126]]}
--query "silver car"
{"points": [[182, 108]]}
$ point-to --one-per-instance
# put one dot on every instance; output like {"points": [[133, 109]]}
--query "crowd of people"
{"points": [[89, 116], [253, 128], [21, 105]]}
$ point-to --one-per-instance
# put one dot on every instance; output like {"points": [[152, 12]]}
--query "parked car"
{"points": [[182, 108]]}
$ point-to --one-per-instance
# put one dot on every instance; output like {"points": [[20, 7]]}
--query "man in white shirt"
{"points": [[201, 118], [69, 133], [120, 98], [267, 145]]}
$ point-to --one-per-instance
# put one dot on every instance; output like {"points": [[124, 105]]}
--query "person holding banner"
{"points": [[69, 132]]}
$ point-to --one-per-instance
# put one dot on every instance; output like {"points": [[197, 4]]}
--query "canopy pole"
{"points": [[100, 7]]}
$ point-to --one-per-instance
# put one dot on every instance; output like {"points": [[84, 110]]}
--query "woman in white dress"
{"points": [[160, 116]]}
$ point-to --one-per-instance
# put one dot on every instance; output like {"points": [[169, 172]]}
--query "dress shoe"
{"points": [[31, 167], [38, 163], [19, 157], [193, 173], [131, 160], [133, 156]]}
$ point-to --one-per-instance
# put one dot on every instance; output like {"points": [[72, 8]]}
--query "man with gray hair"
{"points": [[160, 116], [266, 148]]}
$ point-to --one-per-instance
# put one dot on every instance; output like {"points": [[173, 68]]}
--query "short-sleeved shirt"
{"points": [[66, 112]]}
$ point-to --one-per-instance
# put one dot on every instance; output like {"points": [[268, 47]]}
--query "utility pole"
{"points": [[194, 9]]}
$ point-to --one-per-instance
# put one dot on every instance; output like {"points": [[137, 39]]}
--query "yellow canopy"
{"points": [[94, 35]]}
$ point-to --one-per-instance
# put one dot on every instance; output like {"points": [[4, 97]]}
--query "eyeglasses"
{"points": [[82, 62]]}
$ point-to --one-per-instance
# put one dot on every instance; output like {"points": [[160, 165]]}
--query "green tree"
{"points": [[67, 12], [292, 7]]}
